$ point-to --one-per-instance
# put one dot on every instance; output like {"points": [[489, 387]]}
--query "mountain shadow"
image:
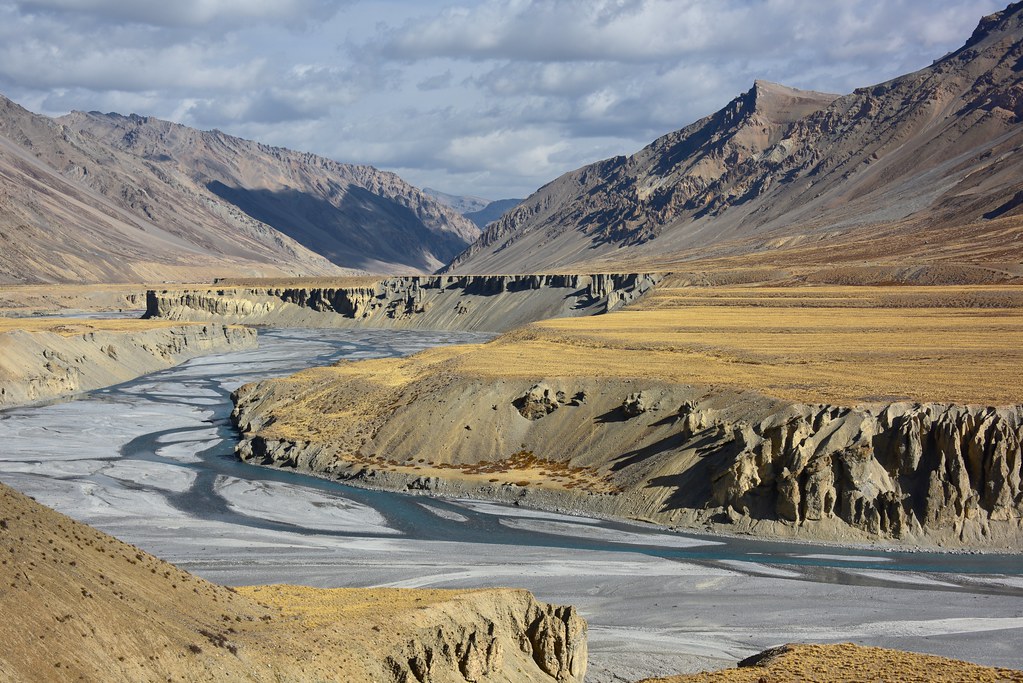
{"points": [[359, 224]]}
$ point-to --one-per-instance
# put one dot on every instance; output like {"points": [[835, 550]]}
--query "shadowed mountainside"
{"points": [[358, 216], [109, 198], [74, 210], [799, 174]]}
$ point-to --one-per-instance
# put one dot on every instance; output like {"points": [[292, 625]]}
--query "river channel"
{"points": [[151, 461]]}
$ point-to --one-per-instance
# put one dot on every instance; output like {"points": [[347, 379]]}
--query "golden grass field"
{"points": [[70, 327], [839, 345]]}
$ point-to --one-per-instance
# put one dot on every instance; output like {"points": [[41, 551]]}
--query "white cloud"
{"points": [[486, 97], [191, 13]]}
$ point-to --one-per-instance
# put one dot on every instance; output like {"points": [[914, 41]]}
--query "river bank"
{"points": [[46, 358], [153, 464]]}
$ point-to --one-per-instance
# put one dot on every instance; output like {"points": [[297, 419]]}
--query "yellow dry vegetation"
{"points": [[313, 608], [70, 327], [848, 663], [839, 345]]}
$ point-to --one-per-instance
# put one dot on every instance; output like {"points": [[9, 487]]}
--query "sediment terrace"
{"points": [[434, 302], [44, 358], [841, 413]]}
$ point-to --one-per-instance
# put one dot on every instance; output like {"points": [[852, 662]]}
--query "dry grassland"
{"points": [[839, 345], [313, 608], [70, 327], [848, 663]]}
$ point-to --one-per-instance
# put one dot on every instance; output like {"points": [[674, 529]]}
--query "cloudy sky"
{"points": [[492, 97]]}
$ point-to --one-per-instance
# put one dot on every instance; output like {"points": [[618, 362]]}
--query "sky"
{"points": [[492, 98]]}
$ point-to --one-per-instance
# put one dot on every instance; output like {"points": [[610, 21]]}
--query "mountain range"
{"points": [[919, 178], [922, 169], [93, 197]]}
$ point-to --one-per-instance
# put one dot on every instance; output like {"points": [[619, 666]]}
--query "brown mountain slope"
{"points": [[80, 605], [73, 210], [356, 216], [779, 168]]}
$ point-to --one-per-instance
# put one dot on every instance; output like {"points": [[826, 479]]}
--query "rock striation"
{"points": [[902, 470], [462, 302], [554, 638]]}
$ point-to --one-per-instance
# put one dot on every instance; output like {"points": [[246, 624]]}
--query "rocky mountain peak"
{"points": [[999, 22]]}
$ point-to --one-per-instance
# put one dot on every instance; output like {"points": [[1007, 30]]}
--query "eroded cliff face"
{"points": [[73, 356], [901, 470], [448, 302], [493, 640], [698, 457]]}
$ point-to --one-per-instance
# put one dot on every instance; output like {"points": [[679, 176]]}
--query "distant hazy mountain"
{"points": [[478, 210], [492, 211], [878, 173], [463, 204]]}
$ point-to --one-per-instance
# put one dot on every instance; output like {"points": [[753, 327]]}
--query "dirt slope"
{"points": [[80, 605]]}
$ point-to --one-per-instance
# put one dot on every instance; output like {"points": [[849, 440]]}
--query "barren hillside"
{"points": [[356, 216], [81, 605], [108, 198], [890, 171]]}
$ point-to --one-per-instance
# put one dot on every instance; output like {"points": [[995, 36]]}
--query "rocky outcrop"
{"points": [[71, 356], [903, 470], [476, 647], [463, 302]]}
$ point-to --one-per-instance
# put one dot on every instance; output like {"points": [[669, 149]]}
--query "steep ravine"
{"points": [[463, 302], [41, 360], [697, 457]]}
